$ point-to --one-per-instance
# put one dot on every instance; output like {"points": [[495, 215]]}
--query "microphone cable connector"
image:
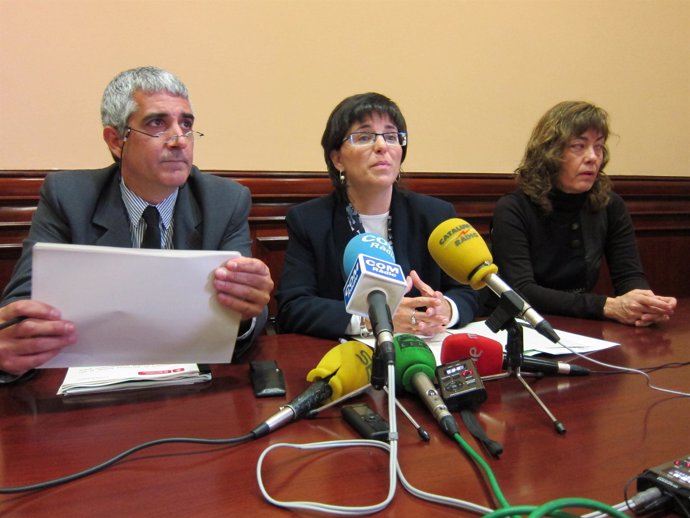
{"points": [[651, 500]]}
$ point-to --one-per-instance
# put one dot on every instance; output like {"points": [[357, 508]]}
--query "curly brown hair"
{"points": [[539, 169]]}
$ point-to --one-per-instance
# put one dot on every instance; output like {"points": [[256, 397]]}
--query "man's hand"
{"points": [[36, 339], [244, 285]]}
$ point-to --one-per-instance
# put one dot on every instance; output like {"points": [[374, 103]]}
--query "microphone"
{"points": [[347, 367], [489, 358], [373, 287], [367, 243], [371, 262], [415, 367], [462, 253], [343, 369]]}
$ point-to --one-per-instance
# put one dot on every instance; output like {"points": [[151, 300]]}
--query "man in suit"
{"points": [[148, 127]]}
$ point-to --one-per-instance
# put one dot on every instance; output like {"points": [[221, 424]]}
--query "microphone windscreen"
{"points": [[486, 353], [412, 355], [370, 244], [461, 252], [348, 364]]}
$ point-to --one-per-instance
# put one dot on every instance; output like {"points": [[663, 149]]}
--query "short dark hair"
{"points": [[353, 109], [538, 172]]}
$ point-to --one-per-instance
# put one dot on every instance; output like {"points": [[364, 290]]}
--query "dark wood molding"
{"points": [[659, 207]]}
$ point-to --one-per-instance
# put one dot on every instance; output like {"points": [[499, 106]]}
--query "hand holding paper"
{"points": [[136, 306], [244, 285], [23, 321]]}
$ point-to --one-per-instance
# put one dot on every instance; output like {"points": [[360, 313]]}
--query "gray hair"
{"points": [[118, 103]]}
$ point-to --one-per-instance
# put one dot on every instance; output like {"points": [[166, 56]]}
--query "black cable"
{"points": [[113, 460], [494, 448], [681, 505]]}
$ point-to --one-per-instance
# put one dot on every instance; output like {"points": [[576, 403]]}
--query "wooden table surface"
{"points": [[616, 427]]}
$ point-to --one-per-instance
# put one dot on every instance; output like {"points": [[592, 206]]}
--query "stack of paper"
{"points": [[86, 380]]}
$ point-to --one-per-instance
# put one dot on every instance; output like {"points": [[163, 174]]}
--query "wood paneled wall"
{"points": [[660, 209]]}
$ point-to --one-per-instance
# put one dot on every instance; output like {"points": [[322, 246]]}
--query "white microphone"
{"points": [[374, 286], [370, 261]]}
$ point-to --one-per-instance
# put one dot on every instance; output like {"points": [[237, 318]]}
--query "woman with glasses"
{"points": [[550, 236], [365, 143]]}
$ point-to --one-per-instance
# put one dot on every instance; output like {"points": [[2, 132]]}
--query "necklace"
{"points": [[356, 223]]}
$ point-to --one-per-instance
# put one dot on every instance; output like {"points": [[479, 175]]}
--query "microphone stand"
{"points": [[503, 317], [382, 325]]}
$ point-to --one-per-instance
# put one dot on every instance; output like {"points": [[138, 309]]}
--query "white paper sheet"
{"points": [[136, 306], [533, 342]]}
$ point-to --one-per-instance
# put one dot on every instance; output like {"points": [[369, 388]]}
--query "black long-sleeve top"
{"points": [[554, 260]]}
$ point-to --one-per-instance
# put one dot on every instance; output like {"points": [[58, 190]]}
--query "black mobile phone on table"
{"points": [[267, 378], [366, 421]]}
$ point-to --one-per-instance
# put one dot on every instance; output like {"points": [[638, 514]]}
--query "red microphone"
{"points": [[486, 353], [489, 359]]}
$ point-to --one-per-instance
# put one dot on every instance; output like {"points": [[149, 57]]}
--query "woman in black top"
{"points": [[549, 237]]}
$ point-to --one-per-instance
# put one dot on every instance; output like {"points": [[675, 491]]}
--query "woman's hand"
{"points": [[425, 315], [639, 308]]}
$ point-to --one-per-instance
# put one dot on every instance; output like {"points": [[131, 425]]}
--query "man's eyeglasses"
{"points": [[366, 138], [190, 135]]}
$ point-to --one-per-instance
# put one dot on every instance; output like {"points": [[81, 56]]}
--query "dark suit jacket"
{"points": [[86, 208], [310, 292]]}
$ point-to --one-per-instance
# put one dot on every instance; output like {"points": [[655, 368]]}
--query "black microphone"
{"points": [[543, 366], [343, 369], [317, 393]]}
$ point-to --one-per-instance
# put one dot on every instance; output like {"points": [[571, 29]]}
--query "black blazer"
{"points": [[310, 291]]}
